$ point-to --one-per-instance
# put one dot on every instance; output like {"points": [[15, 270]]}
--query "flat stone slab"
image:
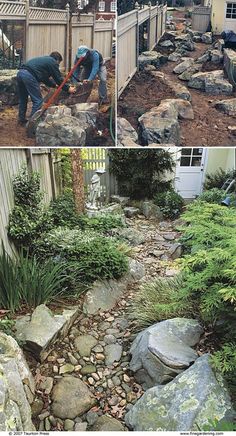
{"points": [[193, 399], [113, 353], [163, 350], [105, 294], [84, 344], [39, 331], [71, 398]]}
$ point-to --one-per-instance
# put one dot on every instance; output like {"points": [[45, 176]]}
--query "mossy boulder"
{"points": [[192, 400]]}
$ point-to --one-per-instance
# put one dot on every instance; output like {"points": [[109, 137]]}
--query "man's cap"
{"points": [[82, 51], [100, 171]]}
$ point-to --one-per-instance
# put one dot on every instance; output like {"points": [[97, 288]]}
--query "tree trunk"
{"points": [[78, 179]]}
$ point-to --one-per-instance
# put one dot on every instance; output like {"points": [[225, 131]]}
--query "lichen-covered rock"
{"points": [[71, 398], [156, 129], [16, 387], [193, 399], [65, 131], [39, 330], [8, 87], [207, 38], [163, 350], [227, 106], [198, 80], [151, 210], [183, 66], [151, 58], [86, 113], [187, 74], [218, 86], [130, 212]]}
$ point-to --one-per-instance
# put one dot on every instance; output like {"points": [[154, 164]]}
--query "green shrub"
{"points": [[217, 179], [170, 203], [90, 255], [64, 214], [140, 172], [156, 301], [24, 279], [215, 195], [7, 325], [224, 360], [29, 218]]}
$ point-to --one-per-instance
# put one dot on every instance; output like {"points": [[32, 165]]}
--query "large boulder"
{"points": [[125, 132], [106, 293], [151, 58], [207, 38], [16, 387], [198, 80], [162, 351], [52, 113], [151, 210], [218, 87], [227, 106], [86, 113], [66, 131], [8, 87], [132, 236], [39, 330], [187, 74], [71, 398], [192, 400]]}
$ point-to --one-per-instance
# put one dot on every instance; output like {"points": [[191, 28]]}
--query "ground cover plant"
{"points": [[89, 254], [218, 178], [206, 286]]}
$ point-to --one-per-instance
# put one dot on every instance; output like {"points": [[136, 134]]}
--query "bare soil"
{"points": [[209, 127], [13, 135]]}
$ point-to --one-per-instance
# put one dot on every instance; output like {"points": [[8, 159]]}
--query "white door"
{"points": [[190, 171], [230, 16]]}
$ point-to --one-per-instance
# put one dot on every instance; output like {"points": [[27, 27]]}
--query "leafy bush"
{"points": [[64, 214], [28, 219], [140, 172], [156, 301], [6, 325], [170, 203], [224, 360], [217, 179], [26, 280], [88, 254], [215, 195]]}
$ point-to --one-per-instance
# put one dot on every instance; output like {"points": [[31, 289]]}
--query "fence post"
{"points": [[27, 11], [149, 25], [93, 30], [157, 18], [67, 48], [137, 34]]}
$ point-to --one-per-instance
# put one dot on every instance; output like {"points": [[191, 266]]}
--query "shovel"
{"points": [[39, 113]]}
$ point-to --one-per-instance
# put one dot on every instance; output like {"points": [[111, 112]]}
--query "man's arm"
{"points": [[56, 75], [49, 83], [95, 67]]}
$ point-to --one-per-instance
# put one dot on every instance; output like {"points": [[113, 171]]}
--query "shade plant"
{"points": [[141, 173]]}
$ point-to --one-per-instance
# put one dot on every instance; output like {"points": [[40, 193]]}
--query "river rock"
{"points": [[67, 131], [107, 423], [39, 331], [192, 400], [71, 398], [163, 350], [15, 377], [113, 353], [84, 344], [227, 106]]}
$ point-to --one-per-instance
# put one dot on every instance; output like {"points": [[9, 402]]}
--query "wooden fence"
{"points": [[48, 30], [201, 17], [11, 161], [128, 39], [48, 164]]}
